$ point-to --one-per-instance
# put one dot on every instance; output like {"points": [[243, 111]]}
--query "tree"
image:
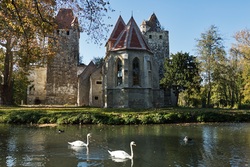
{"points": [[181, 73], [212, 56], [98, 61], [26, 25], [243, 42], [243, 48]]}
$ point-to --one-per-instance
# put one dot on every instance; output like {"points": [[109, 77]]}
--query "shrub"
{"points": [[158, 118], [130, 119], [62, 120], [85, 118], [23, 117], [145, 119]]}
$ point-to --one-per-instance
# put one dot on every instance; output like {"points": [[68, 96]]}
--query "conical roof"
{"points": [[130, 38], [153, 23], [120, 25], [118, 28], [65, 19]]}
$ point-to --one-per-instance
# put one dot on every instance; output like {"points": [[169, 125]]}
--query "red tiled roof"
{"points": [[130, 38], [65, 19], [120, 25]]}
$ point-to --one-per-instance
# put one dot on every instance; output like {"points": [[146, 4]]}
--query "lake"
{"points": [[226, 144]]}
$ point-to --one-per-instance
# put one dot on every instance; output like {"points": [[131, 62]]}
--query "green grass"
{"points": [[121, 116]]}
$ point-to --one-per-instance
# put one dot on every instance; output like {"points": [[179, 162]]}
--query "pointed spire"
{"points": [[131, 38], [153, 23], [119, 26]]}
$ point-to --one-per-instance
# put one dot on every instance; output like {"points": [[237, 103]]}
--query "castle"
{"points": [[128, 78]]}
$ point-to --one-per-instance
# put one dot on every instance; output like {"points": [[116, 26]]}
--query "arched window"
{"points": [[136, 72], [119, 71]]}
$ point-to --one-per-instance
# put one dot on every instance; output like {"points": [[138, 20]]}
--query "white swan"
{"points": [[79, 143], [119, 154]]}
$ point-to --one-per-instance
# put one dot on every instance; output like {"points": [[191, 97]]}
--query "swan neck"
{"points": [[132, 153], [87, 140]]}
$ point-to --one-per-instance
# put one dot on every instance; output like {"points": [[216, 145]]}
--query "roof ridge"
{"points": [[131, 38], [119, 26]]}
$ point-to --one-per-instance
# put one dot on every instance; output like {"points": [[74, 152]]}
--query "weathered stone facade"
{"points": [[62, 80], [158, 42], [128, 78], [84, 85], [96, 88], [131, 74], [157, 39]]}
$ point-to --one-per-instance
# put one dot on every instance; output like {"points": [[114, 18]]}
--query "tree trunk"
{"points": [[7, 87]]}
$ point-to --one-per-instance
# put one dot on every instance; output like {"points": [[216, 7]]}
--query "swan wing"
{"points": [[119, 154], [78, 143]]}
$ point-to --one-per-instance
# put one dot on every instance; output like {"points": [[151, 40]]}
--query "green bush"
{"points": [[62, 120], [171, 117], [23, 117], [145, 119], [158, 118], [85, 119], [117, 117], [130, 119]]}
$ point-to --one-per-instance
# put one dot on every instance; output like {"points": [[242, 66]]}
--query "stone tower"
{"points": [[62, 81], [157, 39], [130, 72]]}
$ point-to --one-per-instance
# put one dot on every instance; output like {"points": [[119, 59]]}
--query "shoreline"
{"points": [[60, 116]]}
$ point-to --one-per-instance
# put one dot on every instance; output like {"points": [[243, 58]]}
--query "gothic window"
{"points": [[149, 65], [136, 71], [149, 73], [119, 71]]}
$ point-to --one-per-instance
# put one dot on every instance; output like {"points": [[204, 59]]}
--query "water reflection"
{"points": [[157, 145]]}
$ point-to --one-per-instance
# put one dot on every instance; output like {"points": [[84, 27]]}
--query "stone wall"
{"points": [[96, 91], [159, 45], [127, 94], [84, 85], [62, 70]]}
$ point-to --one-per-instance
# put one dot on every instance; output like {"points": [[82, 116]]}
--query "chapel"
{"points": [[128, 78]]}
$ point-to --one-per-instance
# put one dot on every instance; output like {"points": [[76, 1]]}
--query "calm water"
{"points": [[157, 145]]}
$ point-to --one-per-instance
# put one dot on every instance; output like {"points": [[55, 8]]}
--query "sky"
{"points": [[185, 20]]}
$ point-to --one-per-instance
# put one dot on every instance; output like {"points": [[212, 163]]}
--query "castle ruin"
{"points": [[128, 78]]}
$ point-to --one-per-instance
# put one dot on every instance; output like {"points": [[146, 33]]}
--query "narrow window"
{"points": [[136, 72], [150, 36], [149, 65], [119, 72], [160, 37], [98, 82], [96, 97], [67, 32]]}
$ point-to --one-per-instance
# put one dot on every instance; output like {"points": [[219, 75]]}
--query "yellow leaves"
{"points": [[243, 42]]}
